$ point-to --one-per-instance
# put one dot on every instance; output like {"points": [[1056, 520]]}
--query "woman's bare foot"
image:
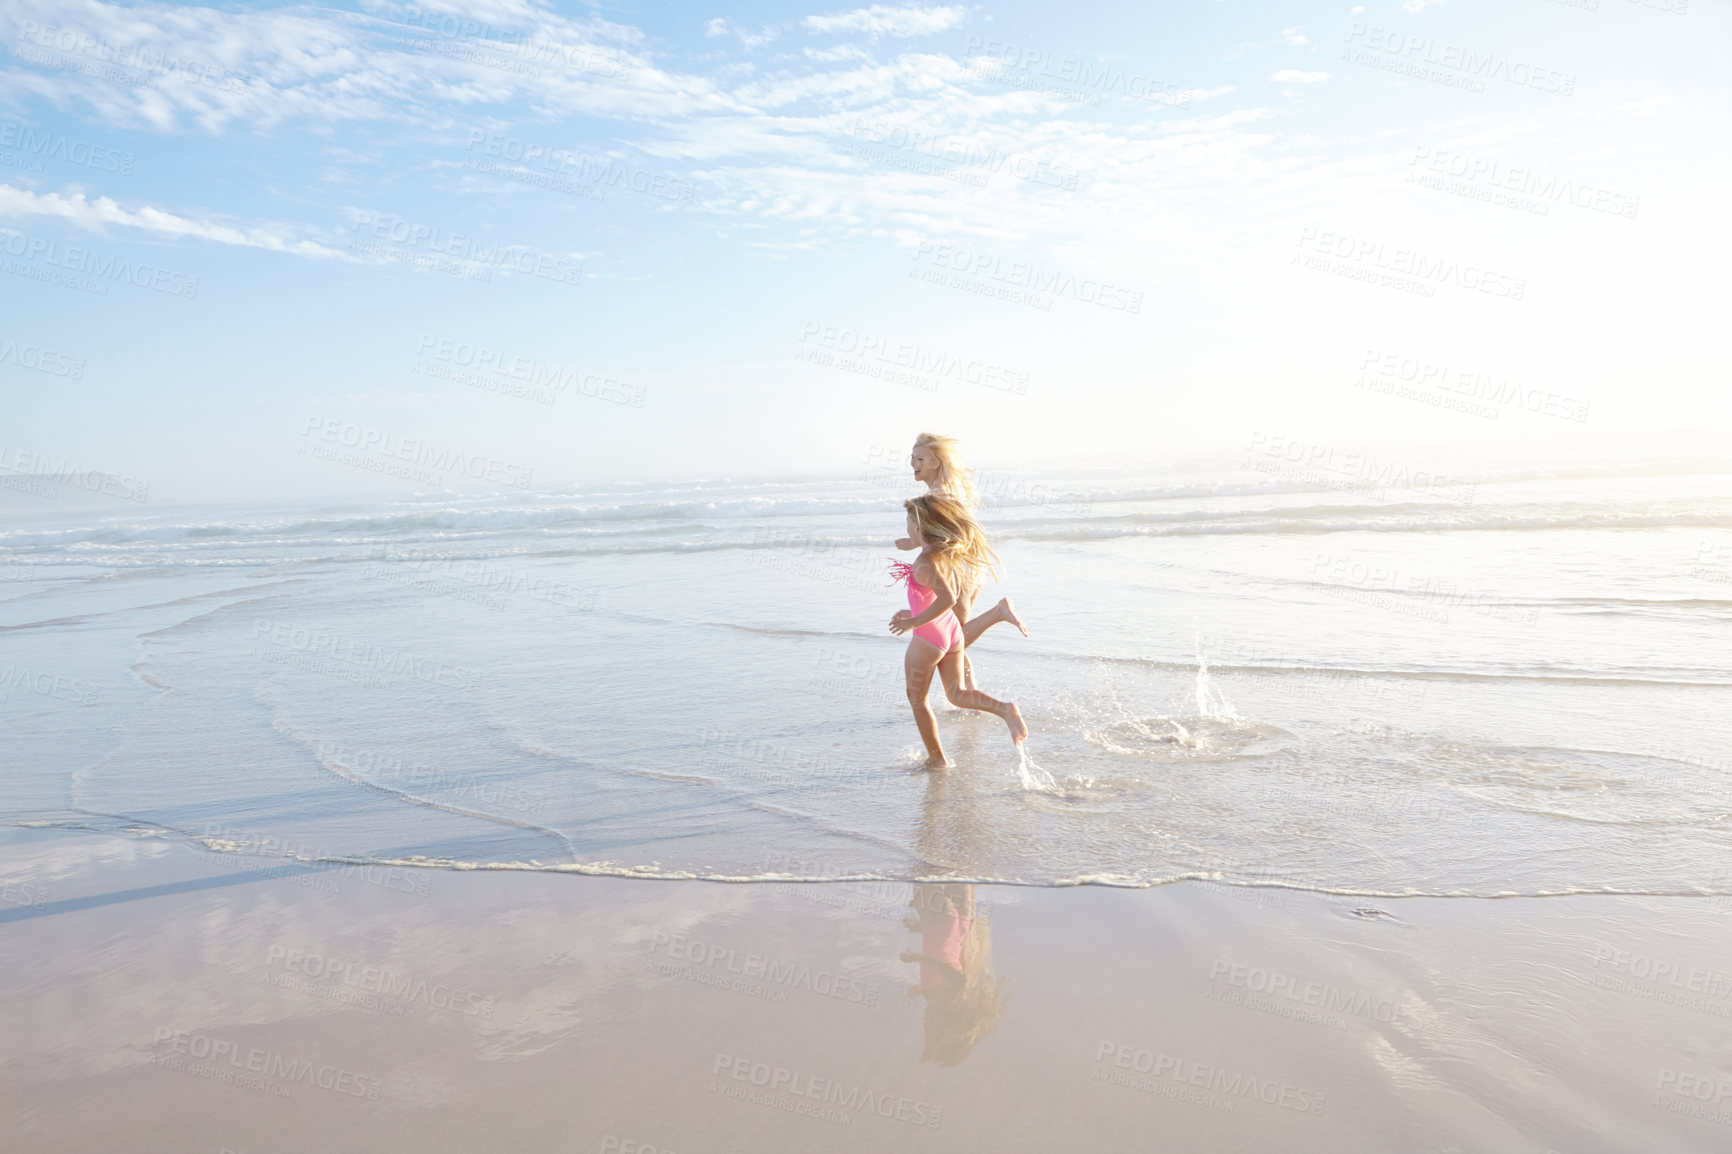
{"points": [[1007, 613], [1013, 718]]}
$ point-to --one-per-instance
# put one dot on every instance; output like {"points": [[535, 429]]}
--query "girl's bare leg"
{"points": [[1003, 611], [917, 666], [950, 671]]}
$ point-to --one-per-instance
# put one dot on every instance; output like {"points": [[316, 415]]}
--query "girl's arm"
{"points": [[905, 542], [927, 574]]}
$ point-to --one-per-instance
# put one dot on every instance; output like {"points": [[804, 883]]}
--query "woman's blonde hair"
{"points": [[953, 538], [954, 477]]}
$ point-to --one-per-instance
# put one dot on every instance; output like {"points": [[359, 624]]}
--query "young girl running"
{"points": [[954, 551], [937, 464]]}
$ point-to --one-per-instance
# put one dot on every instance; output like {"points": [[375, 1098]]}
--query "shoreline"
{"points": [[234, 1010]]}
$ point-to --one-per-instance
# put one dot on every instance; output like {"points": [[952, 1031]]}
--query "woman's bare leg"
{"points": [[1003, 611], [961, 610], [917, 665], [950, 672]]}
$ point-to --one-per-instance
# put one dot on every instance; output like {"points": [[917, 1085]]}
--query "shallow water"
{"points": [[1518, 685]]}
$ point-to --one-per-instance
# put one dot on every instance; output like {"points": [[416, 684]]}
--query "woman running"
{"points": [[937, 464]]}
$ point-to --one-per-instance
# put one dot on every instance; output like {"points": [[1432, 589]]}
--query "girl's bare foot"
{"points": [[1013, 718], [937, 761], [1007, 613]]}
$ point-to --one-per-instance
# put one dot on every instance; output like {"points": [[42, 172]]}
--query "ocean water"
{"points": [[1515, 682]]}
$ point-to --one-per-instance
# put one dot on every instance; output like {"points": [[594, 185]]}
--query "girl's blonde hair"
{"points": [[957, 1019], [953, 538], [969, 999], [954, 477]]}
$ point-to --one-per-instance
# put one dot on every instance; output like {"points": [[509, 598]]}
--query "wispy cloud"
{"points": [[768, 146], [721, 27], [1295, 76], [881, 20], [96, 215]]}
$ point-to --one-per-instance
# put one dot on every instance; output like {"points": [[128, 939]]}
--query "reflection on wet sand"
{"points": [[964, 999]]}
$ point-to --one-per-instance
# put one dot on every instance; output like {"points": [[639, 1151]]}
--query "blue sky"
{"points": [[632, 241]]}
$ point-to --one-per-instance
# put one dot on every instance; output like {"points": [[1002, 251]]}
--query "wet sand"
{"points": [[159, 998]]}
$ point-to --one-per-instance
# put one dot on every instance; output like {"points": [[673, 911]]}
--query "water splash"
{"points": [[1034, 779], [1211, 702]]}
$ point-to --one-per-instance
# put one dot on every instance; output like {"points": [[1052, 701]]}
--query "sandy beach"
{"points": [[164, 999], [584, 577]]}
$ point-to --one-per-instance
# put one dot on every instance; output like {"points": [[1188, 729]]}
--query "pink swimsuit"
{"points": [[943, 942], [943, 631]]}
